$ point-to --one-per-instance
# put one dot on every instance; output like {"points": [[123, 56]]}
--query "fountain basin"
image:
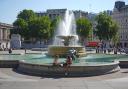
{"points": [[73, 70], [62, 50], [40, 64]]}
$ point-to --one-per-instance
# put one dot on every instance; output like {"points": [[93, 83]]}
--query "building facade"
{"points": [[4, 35], [120, 15], [53, 13], [80, 14]]}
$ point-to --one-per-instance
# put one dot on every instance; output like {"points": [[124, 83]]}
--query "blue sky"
{"points": [[10, 8]]}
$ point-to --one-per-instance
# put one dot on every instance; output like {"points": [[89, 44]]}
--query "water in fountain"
{"points": [[66, 27], [66, 38]]}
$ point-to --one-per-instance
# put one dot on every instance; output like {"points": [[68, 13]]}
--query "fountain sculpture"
{"points": [[66, 38]]}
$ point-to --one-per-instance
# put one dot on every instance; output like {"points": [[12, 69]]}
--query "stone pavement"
{"points": [[13, 80]]}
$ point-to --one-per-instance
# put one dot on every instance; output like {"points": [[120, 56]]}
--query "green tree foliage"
{"points": [[84, 28], [106, 27], [27, 15], [40, 27], [31, 26], [21, 27], [22, 22], [115, 39], [54, 24]]}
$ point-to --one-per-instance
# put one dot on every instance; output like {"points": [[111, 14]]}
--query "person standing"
{"points": [[10, 51], [25, 50], [115, 50]]}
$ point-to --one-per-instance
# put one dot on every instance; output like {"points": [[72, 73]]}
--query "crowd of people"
{"points": [[103, 48]]}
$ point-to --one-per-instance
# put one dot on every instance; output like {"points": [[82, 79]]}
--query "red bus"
{"points": [[92, 44]]}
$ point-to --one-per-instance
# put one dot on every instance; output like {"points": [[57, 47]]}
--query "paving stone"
{"points": [[74, 88], [99, 87]]}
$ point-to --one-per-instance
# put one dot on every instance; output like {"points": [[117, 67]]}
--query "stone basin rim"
{"points": [[111, 63]]}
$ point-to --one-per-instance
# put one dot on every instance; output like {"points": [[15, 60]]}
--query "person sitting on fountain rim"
{"points": [[68, 61], [55, 62]]}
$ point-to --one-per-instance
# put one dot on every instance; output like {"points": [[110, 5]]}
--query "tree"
{"points": [[115, 40], [106, 27], [27, 15], [22, 22], [44, 32], [84, 27], [21, 27], [40, 28], [54, 24]]}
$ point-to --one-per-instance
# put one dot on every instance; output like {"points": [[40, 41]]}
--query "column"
{"points": [[1, 35], [6, 34]]}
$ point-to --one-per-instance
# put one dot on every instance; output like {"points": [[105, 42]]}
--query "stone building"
{"points": [[53, 13], [120, 15], [80, 14], [4, 35]]}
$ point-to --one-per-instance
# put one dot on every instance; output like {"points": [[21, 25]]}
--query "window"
{"points": [[50, 15], [125, 44]]}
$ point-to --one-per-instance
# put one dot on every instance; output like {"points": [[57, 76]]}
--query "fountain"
{"points": [[66, 38]]}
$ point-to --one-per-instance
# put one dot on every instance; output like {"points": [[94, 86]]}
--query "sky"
{"points": [[10, 8]]}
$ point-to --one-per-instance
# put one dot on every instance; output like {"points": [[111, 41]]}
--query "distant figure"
{"points": [[55, 62], [3, 48], [25, 50], [121, 50], [10, 51], [115, 50], [97, 49], [104, 50], [109, 50]]}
